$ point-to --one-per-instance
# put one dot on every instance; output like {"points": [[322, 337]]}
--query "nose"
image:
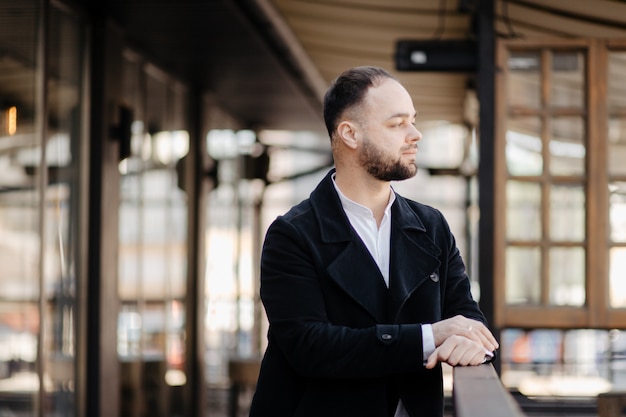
{"points": [[415, 135]]}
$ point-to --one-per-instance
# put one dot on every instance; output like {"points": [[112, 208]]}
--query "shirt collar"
{"points": [[351, 206]]}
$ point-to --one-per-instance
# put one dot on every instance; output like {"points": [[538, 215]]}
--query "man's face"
{"points": [[389, 146]]}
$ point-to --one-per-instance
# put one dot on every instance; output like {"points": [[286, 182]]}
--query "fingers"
{"points": [[461, 341], [432, 360], [457, 350], [462, 326], [480, 333]]}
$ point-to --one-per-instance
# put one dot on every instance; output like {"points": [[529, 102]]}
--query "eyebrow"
{"points": [[403, 115]]}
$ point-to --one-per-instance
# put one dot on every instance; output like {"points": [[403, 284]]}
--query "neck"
{"points": [[365, 190]]}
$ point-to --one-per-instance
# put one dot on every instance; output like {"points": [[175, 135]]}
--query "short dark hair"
{"points": [[348, 90]]}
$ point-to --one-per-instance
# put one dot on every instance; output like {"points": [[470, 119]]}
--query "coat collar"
{"points": [[414, 256], [332, 220]]}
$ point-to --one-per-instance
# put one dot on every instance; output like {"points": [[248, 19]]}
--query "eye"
{"points": [[401, 122]]}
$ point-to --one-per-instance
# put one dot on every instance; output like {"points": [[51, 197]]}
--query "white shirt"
{"points": [[377, 239]]}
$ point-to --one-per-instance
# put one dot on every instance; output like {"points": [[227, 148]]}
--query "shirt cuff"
{"points": [[428, 341], [489, 356]]}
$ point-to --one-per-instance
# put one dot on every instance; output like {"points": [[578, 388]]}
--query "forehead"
{"points": [[389, 98]]}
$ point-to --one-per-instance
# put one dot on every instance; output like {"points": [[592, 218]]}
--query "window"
{"points": [[42, 206], [561, 184], [152, 269]]}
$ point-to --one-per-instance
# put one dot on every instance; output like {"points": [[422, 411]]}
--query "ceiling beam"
{"points": [[279, 31]]}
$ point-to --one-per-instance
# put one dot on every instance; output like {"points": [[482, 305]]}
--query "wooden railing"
{"points": [[478, 392]]}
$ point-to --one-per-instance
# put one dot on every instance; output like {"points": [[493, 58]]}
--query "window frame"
{"points": [[596, 311]]}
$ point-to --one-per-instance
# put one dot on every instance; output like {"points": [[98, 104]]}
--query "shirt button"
{"points": [[434, 277], [387, 336]]}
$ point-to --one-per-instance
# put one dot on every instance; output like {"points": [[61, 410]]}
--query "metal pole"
{"points": [[486, 174]]}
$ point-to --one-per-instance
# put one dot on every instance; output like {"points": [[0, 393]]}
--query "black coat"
{"points": [[339, 341]]}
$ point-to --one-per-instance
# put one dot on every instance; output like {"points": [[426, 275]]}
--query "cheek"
{"points": [[389, 140]]}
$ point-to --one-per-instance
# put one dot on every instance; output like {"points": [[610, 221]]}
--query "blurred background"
{"points": [[146, 145]]}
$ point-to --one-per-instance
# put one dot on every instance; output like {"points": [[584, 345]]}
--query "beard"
{"points": [[383, 166]]}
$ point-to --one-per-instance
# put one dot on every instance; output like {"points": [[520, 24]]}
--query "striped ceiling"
{"points": [[337, 34]]}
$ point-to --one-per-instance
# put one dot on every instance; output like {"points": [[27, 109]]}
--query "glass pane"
{"points": [[567, 146], [19, 321], [523, 275], [132, 84], [153, 251], [567, 276], [129, 272], [553, 364], [617, 81], [617, 146], [568, 79], [20, 245], [156, 108], [567, 213], [524, 80], [523, 216], [524, 146], [617, 277], [617, 211], [65, 40]]}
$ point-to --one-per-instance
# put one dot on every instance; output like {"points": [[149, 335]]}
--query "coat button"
{"points": [[434, 277], [387, 336]]}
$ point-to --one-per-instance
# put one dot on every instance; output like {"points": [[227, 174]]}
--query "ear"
{"points": [[348, 134]]}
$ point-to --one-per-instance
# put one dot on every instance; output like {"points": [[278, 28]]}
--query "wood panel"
{"points": [[478, 392]]}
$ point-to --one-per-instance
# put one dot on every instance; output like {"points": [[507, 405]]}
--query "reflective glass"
{"points": [[567, 213], [617, 146], [567, 276], [129, 267], [523, 216], [524, 146], [65, 43], [222, 243], [523, 275], [617, 277], [617, 105], [20, 202], [568, 79], [617, 211], [153, 244], [567, 146], [553, 363], [616, 81], [524, 80]]}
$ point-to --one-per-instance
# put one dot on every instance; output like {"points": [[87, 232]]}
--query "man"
{"points": [[365, 291]]}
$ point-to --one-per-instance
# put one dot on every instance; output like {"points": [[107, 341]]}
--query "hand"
{"points": [[457, 350], [468, 328]]}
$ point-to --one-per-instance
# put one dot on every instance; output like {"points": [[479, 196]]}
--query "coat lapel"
{"points": [[357, 274], [353, 270], [414, 256]]}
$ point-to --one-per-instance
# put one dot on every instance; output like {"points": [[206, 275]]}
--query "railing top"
{"points": [[478, 392]]}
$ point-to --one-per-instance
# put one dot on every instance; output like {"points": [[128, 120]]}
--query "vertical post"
{"points": [[41, 126], [102, 367], [81, 151], [486, 173], [197, 191]]}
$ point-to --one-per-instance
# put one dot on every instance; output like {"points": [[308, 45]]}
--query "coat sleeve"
{"points": [[295, 304], [457, 294]]}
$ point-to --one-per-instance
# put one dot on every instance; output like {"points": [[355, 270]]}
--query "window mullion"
{"points": [[546, 65], [597, 202]]}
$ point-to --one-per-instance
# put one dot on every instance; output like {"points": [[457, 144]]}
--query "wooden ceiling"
{"points": [[337, 34], [268, 62]]}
